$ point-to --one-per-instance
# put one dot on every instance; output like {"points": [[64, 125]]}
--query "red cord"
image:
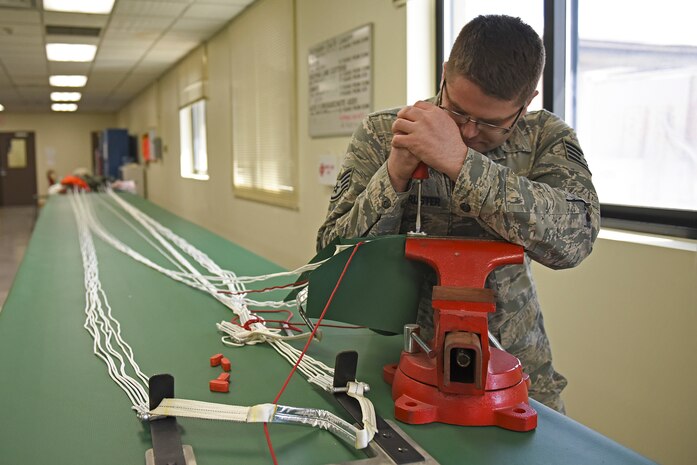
{"points": [[307, 345], [251, 291], [327, 325], [268, 441]]}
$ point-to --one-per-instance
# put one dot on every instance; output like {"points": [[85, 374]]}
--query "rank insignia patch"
{"points": [[575, 154], [342, 185]]}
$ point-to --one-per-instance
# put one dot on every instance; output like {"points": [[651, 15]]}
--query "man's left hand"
{"points": [[432, 136]]}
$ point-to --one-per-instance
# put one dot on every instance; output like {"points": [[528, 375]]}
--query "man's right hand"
{"points": [[401, 165]]}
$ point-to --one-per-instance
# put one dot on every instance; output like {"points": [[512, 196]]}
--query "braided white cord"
{"points": [[104, 329], [102, 326], [316, 372]]}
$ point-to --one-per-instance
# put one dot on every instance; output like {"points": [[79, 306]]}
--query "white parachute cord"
{"points": [[234, 302], [102, 326], [142, 235], [307, 366], [100, 323], [240, 279]]}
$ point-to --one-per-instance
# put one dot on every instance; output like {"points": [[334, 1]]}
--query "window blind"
{"points": [[263, 103]]}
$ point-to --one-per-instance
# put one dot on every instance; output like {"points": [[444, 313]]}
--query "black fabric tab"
{"points": [[166, 441]]}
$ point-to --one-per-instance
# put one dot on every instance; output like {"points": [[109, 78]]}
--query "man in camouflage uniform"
{"points": [[495, 172]]}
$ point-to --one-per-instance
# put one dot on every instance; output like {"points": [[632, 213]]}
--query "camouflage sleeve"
{"points": [[363, 202], [553, 211]]}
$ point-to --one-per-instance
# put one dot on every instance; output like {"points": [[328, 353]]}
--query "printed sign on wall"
{"points": [[340, 79]]}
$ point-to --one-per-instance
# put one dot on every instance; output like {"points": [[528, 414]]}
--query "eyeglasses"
{"points": [[461, 119]]}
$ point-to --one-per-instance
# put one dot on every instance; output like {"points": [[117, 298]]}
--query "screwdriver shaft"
{"points": [[418, 207]]}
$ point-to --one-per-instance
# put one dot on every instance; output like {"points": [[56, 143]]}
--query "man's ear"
{"points": [[442, 75], [532, 97]]}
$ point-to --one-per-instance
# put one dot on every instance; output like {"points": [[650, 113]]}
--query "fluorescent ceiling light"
{"points": [[2, 108], [100, 7], [65, 96], [71, 52], [67, 81], [63, 107]]}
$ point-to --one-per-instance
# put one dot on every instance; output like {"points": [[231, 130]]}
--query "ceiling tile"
{"points": [[29, 53], [19, 16], [56, 18], [223, 11], [133, 25], [33, 40], [59, 67], [148, 8], [129, 54], [242, 3], [19, 66], [10, 29], [123, 64], [25, 80]]}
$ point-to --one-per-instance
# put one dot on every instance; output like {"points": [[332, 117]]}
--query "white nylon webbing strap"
{"points": [[264, 413], [356, 389], [211, 411]]}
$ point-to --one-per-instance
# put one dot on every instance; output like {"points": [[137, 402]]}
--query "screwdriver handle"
{"points": [[421, 171]]}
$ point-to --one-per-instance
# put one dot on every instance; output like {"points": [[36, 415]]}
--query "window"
{"points": [[263, 89], [192, 130], [636, 102], [630, 93]]}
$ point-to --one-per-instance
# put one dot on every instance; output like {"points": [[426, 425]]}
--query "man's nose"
{"points": [[469, 130]]}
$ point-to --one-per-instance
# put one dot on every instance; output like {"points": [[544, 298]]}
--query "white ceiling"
{"points": [[137, 42]]}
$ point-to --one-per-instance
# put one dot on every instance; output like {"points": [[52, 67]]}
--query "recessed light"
{"points": [[65, 96], [67, 80], [100, 7], [71, 52], [63, 107]]}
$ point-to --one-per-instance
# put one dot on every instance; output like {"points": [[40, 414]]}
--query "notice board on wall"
{"points": [[341, 84]]}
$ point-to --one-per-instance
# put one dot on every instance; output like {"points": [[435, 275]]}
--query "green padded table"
{"points": [[58, 405]]}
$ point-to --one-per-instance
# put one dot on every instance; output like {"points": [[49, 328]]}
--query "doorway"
{"points": [[17, 169]]}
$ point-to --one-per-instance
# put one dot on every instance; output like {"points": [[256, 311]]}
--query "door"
{"points": [[17, 169]]}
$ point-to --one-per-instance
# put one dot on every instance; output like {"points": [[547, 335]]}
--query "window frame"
{"points": [[669, 222], [191, 149]]}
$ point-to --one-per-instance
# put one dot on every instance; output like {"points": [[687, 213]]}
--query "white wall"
{"points": [[63, 141], [622, 327], [212, 203]]}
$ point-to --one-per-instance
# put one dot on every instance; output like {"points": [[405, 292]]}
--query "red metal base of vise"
{"points": [[504, 402], [458, 378]]}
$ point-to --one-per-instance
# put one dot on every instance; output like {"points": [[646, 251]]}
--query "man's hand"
{"points": [[400, 166], [428, 134]]}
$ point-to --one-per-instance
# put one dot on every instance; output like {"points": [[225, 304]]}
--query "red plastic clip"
{"points": [[224, 377], [225, 363], [216, 359], [218, 385]]}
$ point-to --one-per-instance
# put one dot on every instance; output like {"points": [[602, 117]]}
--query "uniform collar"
{"points": [[518, 142]]}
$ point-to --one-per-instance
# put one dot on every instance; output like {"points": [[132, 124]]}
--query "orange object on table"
{"points": [[216, 359], [218, 385]]}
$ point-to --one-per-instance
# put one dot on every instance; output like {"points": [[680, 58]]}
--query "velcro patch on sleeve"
{"points": [[575, 154], [342, 185]]}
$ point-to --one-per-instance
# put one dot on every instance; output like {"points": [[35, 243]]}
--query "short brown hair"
{"points": [[501, 54]]}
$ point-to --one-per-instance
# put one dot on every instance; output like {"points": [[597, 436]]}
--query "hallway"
{"points": [[16, 225]]}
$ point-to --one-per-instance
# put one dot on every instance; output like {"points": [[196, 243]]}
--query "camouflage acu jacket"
{"points": [[534, 190]]}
